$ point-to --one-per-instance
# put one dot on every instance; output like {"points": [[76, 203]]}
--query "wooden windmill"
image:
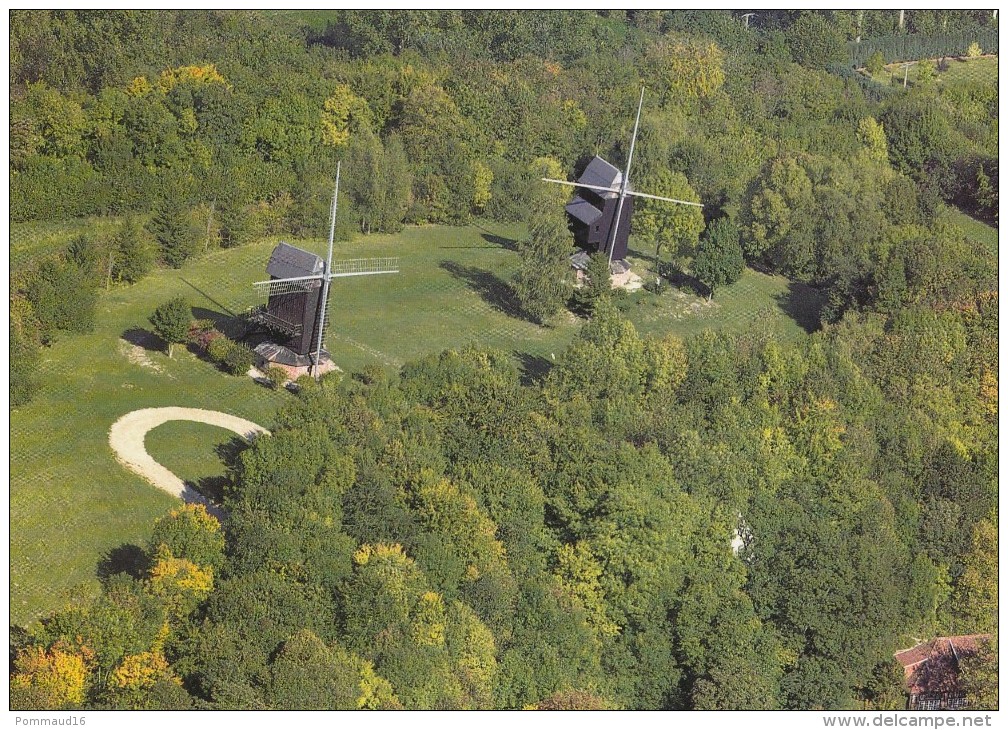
{"points": [[601, 208], [297, 294]]}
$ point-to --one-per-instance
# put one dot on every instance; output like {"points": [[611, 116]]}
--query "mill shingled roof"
{"points": [[601, 173], [287, 262]]}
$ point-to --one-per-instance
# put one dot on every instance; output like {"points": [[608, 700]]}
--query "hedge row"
{"points": [[914, 47]]}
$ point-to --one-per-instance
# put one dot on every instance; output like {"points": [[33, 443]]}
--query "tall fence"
{"points": [[917, 46]]}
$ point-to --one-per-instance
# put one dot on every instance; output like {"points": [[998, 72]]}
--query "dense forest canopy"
{"points": [[454, 536]]}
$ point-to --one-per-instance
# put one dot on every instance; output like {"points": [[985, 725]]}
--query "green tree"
{"points": [[875, 63], [779, 210], [542, 283], [191, 533], [719, 259], [25, 351], [815, 42], [63, 297], [660, 223], [308, 675], [596, 285], [171, 321], [926, 72], [979, 676], [133, 256], [171, 230]]}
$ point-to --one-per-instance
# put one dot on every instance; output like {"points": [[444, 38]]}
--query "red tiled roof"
{"points": [[933, 666]]}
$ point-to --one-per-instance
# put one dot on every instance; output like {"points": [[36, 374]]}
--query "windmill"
{"points": [[596, 211], [297, 295]]}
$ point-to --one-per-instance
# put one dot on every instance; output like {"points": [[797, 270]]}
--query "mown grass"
{"points": [[983, 70], [36, 239], [71, 502], [982, 233]]}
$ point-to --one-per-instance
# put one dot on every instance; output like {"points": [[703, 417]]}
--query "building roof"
{"points": [[287, 262], [583, 210], [601, 173], [933, 666]]}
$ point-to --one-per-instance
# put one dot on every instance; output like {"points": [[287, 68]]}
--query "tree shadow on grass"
{"points": [[803, 303], [127, 558], [145, 339], [509, 243], [492, 289], [532, 368], [497, 240]]}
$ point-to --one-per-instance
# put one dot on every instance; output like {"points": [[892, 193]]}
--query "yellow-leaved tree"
{"points": [[180, 584], [342, 114], [49, 679]]}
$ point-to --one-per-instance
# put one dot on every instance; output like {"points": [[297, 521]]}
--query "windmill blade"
{"points": [[365, 267], [658, 197], [580, 185], [278, 287], [625, 185]]}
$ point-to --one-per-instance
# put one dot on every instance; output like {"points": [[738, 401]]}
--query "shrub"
{"points": [[218, 348], [876, 62], [974, 50], [238, 359], [277, 376]]}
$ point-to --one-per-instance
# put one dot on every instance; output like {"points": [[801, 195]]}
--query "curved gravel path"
{"points": [[126, 437]]}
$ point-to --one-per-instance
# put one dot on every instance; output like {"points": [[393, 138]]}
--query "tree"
{"points": [[277, 376], [875, 63], [596, 285], [25, 344], [926, 72], [343, 114], [133, 256], [815, 42], [170, 228], [49, 679], [872, 135], [192, 533], [542, 283], [179, 584], [63, 297], [779, 210], [171, 321], [979, 676], [719, 259], [661, 223], [308, 675]]}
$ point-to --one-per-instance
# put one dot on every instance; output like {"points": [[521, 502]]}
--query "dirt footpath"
{"points": [[126, 437]]}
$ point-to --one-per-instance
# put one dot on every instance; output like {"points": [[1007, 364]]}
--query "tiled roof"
{"points": [[933, 666]]}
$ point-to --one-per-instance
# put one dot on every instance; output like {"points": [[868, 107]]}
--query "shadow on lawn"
{"points": [[494, 291], [145, 339], [802, 303], [127, 558]]}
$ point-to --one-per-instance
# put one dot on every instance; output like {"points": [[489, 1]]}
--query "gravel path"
{"points": [[126, 437]]}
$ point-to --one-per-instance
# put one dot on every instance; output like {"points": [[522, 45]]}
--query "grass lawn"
{"points": [[979, 231], [33, 240], [983, 69], [71, 502]]}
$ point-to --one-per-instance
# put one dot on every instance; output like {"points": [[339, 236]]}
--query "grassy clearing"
{"points": [[983, 70], [29, 241], [71, 502], [985, 235]]}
